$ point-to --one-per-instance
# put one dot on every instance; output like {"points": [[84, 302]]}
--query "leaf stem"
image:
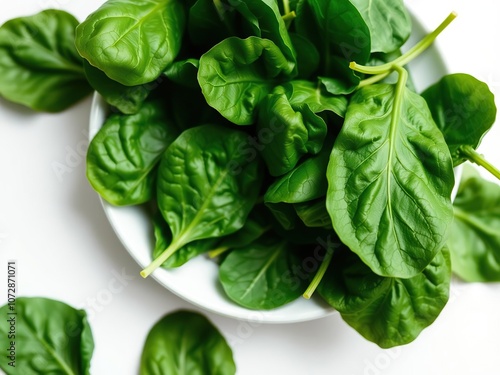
{"points": [[172, 248], [415, 51], [216, 252], [286, 6], [289, 17], [319, 275], [477, 158]]}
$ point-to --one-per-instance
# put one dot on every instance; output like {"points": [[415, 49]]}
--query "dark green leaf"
{"points": [[386, 311], [132, 42], [314, 214], [237, 74], [123, 154], [307, 56], [464, 110], [315, 97], [184, 73], [389, 23], [40, 66], [186, 343], [262, 275], [51, 338], [474, 240], [390, 179]]}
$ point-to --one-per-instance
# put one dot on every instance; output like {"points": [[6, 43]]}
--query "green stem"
{"points": [[216, 252], [289, 17], [477, 158], [286, 6], [319, 275], [172, 248], [373, 79], [408, 56]]}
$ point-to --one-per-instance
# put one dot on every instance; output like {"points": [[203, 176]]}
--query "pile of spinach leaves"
{"points": [[267, 132]]}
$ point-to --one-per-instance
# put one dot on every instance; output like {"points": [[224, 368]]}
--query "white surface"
{"points": [[52, 222]]}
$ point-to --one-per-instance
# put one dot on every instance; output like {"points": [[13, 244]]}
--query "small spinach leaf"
{"points": [[314, 214], [386, 311], [262, 275], [390, 179], [236, 74], [186, 343], [184, 73], [52, 337], [123, 154], [131, 41], [474, 240], [206, 186], [40, 65]]}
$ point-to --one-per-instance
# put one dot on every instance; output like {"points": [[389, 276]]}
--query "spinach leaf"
{"points": [[340, 35], [132, 41], [464, 110], [40, 66], [474, 240], [315, 97], [386, 311], [206, 186], [236, 74], [292, 132], [308, 57], [52, 338], [127, 99], [163, 238], [186, 343], [184, 73], [262, 275], [389, 23], [390, 179], [123, 154], [314, 214]]}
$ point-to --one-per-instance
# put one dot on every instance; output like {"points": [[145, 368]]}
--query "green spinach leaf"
{"points": [[236, 74], [386, 311], [184, 73], [474, 240], [124, 153], [186, 343], [51, 337], [389, 23], [390, 179], [262, 275], [206, 186], [40, 65], [132, 41], [314, 214]]}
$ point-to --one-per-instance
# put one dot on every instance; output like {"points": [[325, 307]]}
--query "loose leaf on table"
{"points": [[236, 74], [122, 156], [340, 35], [206, 186], [263, 274], [186, 343], [40, 65], [51, 338], [464, 110], [127, 99], [292, 131], [390, 180], [386, 311], [132, 41], [474, 240], [389, 23]]}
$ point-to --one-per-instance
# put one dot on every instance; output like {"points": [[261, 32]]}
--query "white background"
{"points": [[55, 227]]}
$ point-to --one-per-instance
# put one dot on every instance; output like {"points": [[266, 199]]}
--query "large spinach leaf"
{"points": [[40, 65], [474, 240], [132, 41], [389, 23], [340, 34], [386, 311], [123, 154], [236, 74], [186, 343], [206, 186], [51, 338], [464, 110], [390, 179], [263, 275]]}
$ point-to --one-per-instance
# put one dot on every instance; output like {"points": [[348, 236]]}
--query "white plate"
{"points": [[197, 281]]}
